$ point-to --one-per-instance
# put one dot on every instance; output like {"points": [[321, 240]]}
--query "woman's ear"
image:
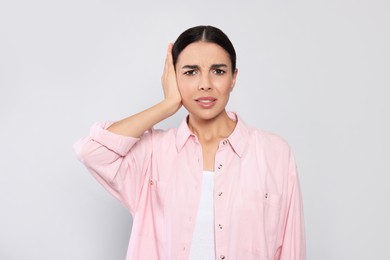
{"points": [[234, 79]]}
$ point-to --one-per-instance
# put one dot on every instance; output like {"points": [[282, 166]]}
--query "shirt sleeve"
{"points": [[117, 162], [292, 235]]}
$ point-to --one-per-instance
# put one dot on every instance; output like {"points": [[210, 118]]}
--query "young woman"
{"points": [[213, 188]]}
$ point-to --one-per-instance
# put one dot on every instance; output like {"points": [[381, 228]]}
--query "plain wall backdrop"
{"points": [[315, 72]]}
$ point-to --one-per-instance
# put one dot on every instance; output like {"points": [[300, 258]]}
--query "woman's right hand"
{"points": [[169, 82], [136, 125]]}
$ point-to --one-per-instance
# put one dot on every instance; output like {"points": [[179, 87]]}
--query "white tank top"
{"points": [[203, 243]]}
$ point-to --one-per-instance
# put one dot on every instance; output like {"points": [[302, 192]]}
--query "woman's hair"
{"points": [[206, 34]]}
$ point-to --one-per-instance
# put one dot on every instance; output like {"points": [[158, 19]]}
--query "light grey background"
{"points": [[315, 72]]}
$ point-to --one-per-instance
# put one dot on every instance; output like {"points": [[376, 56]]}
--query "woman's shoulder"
{"points": [[158, 133], [248, 136], [267, 139], [162, 135]]}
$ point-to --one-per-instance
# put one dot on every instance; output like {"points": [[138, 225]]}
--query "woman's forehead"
{"points": [[203, 52]]}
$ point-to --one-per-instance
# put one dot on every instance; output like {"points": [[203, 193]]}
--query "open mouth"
{"points": [[205, 99], [206, 102]]}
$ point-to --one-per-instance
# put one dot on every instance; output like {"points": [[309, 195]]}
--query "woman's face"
{"points": [[205, 79]]}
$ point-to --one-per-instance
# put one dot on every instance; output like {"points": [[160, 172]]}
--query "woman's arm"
{"points": [[293, 241], [114, 153], [137, 124]]}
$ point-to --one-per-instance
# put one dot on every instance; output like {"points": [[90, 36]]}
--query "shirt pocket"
{"points": [[157, 191], [153, 212], [261, 211], [272, 216]]}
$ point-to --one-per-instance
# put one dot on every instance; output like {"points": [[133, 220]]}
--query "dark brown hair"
{"points": [[204, 33]]}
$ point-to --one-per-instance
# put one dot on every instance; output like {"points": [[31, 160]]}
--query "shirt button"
{"points": [[224, 142], [220, 226], [151, 182], [222, 257], [220, 194], [220, 166]]}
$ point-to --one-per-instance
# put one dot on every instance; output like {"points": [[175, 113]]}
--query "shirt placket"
{"points": [[220, 218]]}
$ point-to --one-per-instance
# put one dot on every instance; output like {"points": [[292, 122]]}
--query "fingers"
{"points": [[168, 67], [168, 78], [170, 46], [169, 59]]}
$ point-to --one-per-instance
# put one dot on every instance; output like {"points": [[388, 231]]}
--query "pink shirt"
{"points": [[257, 200]]}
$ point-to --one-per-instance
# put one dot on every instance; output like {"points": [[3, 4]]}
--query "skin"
{"points": [[202, 70]]}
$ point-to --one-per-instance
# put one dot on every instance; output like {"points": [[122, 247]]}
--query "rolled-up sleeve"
{"points": [[118, 162]]}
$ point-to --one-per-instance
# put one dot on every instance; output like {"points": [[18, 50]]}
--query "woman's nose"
{"points": [[205, 83]]}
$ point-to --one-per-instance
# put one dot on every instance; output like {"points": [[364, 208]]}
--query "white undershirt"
{"points": [[203, 244]]}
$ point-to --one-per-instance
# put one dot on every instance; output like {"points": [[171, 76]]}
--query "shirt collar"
{"points": [[182, 135], [237, 140]]}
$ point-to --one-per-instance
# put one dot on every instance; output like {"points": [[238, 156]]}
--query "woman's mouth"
{"points": [[206, 102]]}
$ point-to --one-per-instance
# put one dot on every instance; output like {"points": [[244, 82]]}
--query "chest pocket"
{"points": [[153, 210], [258, 212], [157, 190]]}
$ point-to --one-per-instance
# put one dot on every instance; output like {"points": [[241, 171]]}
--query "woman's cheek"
{"points": [[186, 85]]}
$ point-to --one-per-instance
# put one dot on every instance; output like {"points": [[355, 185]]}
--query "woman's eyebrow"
{"points": [[217, 66], [193, 67], [213, 66]]}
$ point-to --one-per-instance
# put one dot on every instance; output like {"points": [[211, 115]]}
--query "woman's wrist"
{"points": [[171, 106]]}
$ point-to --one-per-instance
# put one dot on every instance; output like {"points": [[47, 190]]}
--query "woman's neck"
{"points": [[212, 129]]}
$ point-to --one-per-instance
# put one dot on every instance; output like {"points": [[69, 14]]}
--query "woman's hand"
{"points": [[137, 124], [169, 83]]}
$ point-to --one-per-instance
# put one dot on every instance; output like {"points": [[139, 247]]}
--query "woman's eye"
{"points": [[219, 72], [190, 72]]}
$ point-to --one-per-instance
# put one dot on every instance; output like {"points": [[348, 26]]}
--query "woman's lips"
{"points": [[206, 102]]}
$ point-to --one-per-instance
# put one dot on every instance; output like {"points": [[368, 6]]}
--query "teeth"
{"points": [[205, 101]]}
